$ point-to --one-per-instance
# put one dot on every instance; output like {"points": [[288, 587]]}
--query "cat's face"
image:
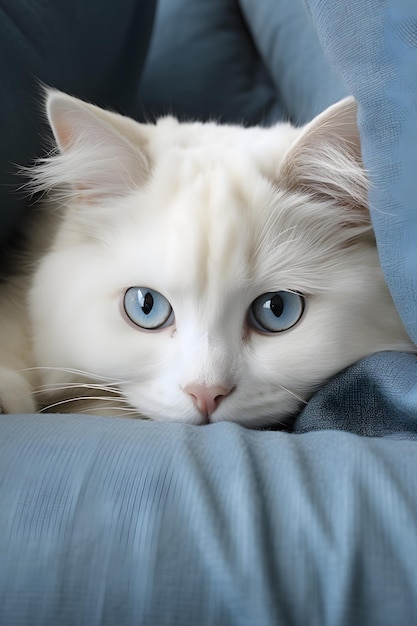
{"points": [[202, 272]]}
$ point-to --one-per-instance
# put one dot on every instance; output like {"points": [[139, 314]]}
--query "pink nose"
{"points": [[207, 399]]}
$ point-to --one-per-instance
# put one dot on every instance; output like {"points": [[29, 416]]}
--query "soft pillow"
{"points": [[107, 522], [253, 61]]}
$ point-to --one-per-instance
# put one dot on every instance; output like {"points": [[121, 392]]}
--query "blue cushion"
{"points": [[106, 522], [251, 62]]}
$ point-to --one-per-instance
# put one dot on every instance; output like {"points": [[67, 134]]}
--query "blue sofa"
{"points": [[121, 522]]}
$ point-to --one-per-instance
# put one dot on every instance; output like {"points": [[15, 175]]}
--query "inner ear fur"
{"points": [[101, 153], [326, 162]]}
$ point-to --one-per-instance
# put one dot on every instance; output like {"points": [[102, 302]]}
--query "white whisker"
{"points": [[292, 393], [80, 399], [119, 411], [53, 387], [69, 370]]}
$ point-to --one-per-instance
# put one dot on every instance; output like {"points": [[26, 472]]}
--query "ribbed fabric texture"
{"points": [[106, 522]]}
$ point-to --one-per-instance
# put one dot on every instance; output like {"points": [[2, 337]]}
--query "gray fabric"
{"points": [[251, 62], [375, 397], [106, 522], [86, 48], [373, 45]]}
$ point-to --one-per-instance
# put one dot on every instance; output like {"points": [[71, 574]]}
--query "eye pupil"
{"points": [[276, 305], [147, 308], [147, 303], [276, 311]]}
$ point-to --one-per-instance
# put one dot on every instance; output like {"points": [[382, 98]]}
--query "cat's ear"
{"points": [[101, 154], [326, 162]]}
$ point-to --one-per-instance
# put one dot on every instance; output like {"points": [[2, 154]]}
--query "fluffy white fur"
{"points": [[211, 217]]}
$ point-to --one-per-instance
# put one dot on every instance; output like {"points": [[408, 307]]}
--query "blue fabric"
{"points": [[251, 62], [304, 82], [106, 522], [373, 45], [374, 397]]}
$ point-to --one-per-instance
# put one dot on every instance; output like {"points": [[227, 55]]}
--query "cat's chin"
{"points": [[278, 422], [254, 422]]}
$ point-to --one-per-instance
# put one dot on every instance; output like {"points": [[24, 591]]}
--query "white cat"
{"points": [[196, 273]]}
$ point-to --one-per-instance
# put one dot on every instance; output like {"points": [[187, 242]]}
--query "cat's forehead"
{"points": [[210, 218], [203, 229], [263, 146], [217, 169], [204, 220]]}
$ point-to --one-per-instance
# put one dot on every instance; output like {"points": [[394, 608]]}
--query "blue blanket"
{"points": [[373, 45]]}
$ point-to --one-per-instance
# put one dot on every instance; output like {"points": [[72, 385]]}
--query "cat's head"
{"points": [[209, 272]]}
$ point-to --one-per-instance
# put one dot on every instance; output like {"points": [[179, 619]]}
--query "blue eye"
{"points": [[147, 308], [276, 311]]}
